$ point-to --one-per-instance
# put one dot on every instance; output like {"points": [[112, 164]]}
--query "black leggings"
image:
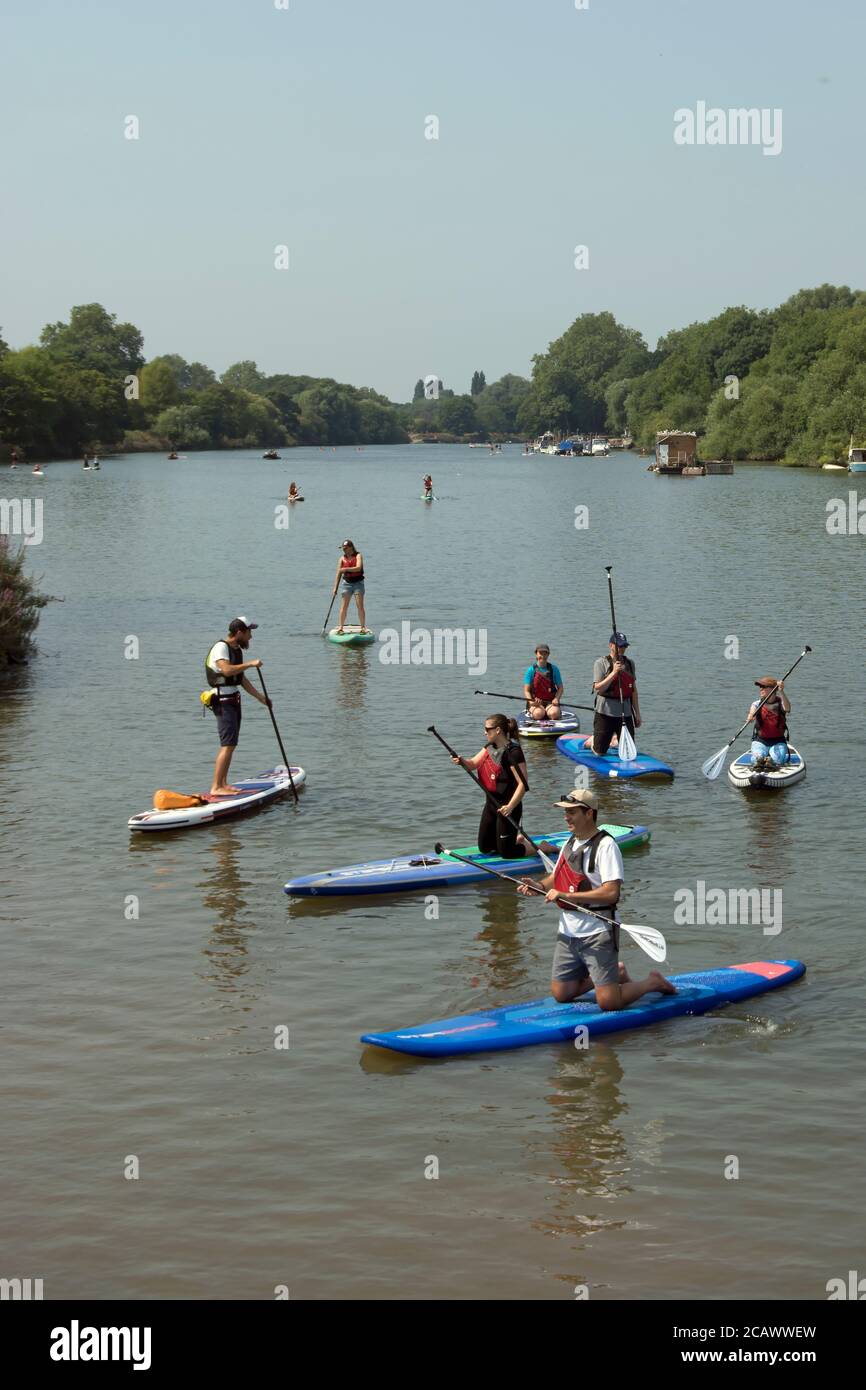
{"points": [[604, 726], [497, 836]]}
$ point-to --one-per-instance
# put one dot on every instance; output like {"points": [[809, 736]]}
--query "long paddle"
{"points": [[713, 766], [647, 938], [328, 614], [498, 695], [627, 749], [286, 762], [519, 828]]}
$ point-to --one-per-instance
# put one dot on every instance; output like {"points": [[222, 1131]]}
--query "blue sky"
{"points": [[261, 126]]}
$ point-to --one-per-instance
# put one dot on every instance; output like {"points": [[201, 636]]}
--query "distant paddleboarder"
{"points": [[589, 871], [224, 666], [351, 571], [501, 769], [614, 685], [293, 492], [770, 735], [542, 686], [428, 485]]}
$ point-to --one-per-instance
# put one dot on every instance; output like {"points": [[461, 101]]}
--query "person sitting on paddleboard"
{"points": [[351, 571], [589, 870], [542, 686], [501, 769], [616, 701], [293, 491], [224, 666], [770, 735]]}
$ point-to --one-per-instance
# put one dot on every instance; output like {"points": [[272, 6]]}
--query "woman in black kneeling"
{"points": [[501, 769]]}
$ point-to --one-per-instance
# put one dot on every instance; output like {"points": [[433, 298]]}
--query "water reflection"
{"points": [[353, 670], [223, 894]]}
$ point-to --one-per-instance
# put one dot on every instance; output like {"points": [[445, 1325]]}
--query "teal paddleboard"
{"points": [[351, 636]]}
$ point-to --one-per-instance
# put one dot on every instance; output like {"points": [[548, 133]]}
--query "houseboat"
{"points": [[676, 451]]}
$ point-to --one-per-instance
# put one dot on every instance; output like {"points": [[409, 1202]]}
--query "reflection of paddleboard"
{"points": [[548, 728], [611, 765], [543, 1020], [743, 773], [253, 791], [420, 872], [351, 636]]}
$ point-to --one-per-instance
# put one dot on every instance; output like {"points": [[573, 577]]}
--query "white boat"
{"points": [[599, 447], [856, 460], [834, 467]]}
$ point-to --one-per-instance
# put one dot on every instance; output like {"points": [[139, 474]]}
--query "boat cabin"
{"points": [[675, 450]]}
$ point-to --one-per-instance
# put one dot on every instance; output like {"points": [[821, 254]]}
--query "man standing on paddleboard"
{"points": [[224, 667], [616, 700], [589, 870]]}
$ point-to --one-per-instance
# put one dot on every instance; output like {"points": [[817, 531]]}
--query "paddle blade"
{"points": [[713, 766], [627, 749], [649, 940], [548, 863]]}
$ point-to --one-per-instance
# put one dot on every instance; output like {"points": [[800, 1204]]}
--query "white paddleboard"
{"points": [[253, 791]]}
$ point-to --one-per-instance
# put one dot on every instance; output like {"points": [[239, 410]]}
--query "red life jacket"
{"points": [[566, 881], [490, 772], [541, 687], [349, 564], [623, 687], [771, 726]]}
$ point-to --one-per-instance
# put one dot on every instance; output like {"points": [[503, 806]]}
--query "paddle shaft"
{"points": [[614, 630], [286, 763], [328, 614], [498, 695], [531, 887], [525, 833]]}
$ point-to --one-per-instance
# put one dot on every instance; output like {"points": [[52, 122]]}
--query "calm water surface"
{"points": [[155, 1037]]}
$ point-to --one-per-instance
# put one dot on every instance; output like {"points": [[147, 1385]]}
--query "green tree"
{"points": [[457, 415], [181, 426], [157, 387], [243, 376], [419, 390], [478, 384], [94, 341]]}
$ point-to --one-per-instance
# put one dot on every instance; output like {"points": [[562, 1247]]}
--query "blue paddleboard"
{"points": [[572, 745], [543, 1020], [418, 872]]}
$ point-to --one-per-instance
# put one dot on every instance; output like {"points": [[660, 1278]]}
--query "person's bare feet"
{"points": [[624, 977], [224, 791], [660, 983]]}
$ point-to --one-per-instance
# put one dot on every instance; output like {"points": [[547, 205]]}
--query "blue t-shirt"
{"points": [[550, 670]]}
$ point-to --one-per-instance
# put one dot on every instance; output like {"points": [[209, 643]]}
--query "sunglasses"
{"points": [[575, 805]]}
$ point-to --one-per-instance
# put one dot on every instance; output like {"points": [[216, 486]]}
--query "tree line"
{"points": [[785, 384]]}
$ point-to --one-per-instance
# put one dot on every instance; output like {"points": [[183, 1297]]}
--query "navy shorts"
{"points": [[228, 717]]}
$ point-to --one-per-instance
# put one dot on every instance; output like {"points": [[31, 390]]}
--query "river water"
{"points": [[147, 1043]]}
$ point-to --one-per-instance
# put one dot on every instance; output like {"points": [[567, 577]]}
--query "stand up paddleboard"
{"points": [[548, 728], [543, 1020], [742, 772], [351, 636], [420, 872], [611, 765], [428, 497], [253, 791]]}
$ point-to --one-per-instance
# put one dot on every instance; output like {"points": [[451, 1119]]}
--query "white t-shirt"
{"points": [[218, 652], [608, 866]]}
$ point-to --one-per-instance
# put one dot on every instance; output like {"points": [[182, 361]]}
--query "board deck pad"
{"points": [[252, 792], [573, 746], [548, 728], [742, 769], [351, 636], [419, 872], [543, 1020]]}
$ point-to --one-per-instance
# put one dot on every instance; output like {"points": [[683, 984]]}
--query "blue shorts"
{"points": [[353, 586], [776, 752]]}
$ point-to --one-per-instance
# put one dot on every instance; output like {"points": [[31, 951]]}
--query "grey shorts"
{"points": [[353, 586], [595, 957], [228, 717]]}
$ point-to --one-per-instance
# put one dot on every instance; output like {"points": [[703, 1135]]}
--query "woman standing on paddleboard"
{"points": [[614, 685], [501, 769], [351, 571], [542, 686]]}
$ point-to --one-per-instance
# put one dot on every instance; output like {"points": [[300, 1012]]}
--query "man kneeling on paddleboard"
{"points": [[224, 666], [616, 703], [589, 870]]}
